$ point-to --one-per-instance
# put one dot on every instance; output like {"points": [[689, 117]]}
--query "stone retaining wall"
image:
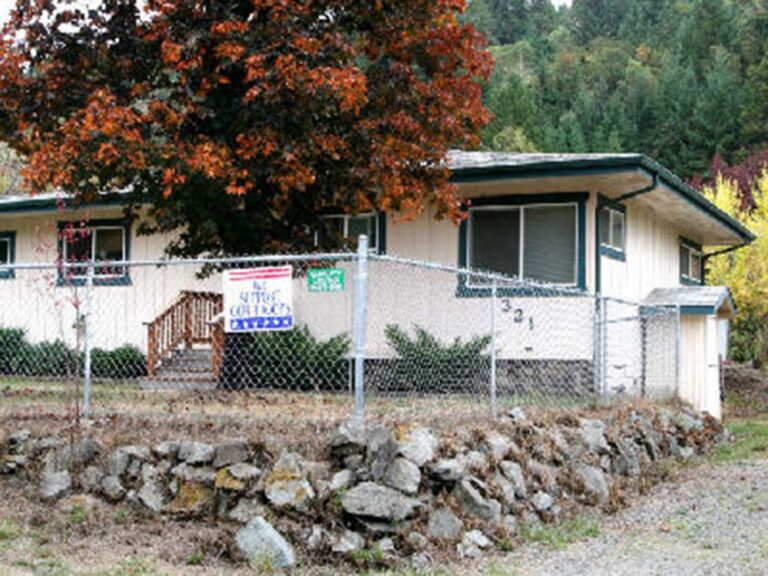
{"points": [[380, 495]]}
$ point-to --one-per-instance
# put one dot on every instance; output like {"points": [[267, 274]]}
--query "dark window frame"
{"points": [[10, 238], [607, 247], [694, 250], [123, 279], [465, 289]]}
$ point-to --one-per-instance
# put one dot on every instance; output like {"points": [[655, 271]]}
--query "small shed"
{"points": [[705, 314]]}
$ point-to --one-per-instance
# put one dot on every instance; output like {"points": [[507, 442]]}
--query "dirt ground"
{"points": [[745, 391]]}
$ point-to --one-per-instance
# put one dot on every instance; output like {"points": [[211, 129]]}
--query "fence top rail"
{"points": [[267, 258]]}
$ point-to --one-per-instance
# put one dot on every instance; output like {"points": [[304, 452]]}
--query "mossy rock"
{"points": [[226, 481], [192, 499]]}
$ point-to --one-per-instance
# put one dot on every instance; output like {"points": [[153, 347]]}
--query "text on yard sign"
{"points": [[258, 299]]}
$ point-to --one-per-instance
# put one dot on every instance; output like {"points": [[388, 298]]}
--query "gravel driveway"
{"points": [[714, 520]]}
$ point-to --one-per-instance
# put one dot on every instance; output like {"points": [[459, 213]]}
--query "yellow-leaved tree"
{"points": [[745, 270]]}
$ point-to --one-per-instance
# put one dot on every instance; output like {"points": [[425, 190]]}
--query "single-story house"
{"points": [[618, 225]]}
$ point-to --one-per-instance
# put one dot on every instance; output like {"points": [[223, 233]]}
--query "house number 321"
{"points": [[518, 316]]}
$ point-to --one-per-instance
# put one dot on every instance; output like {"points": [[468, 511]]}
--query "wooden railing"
{"points": [[187, 322]]}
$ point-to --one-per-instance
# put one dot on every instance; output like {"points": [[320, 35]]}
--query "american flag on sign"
{"points": [[258, 299]]}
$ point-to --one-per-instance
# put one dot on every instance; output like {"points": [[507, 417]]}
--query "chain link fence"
{"points": [[313, 338]]}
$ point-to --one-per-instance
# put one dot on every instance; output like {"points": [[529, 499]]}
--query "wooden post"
{"points": [[188, 308], [151, 349], [217, 347]]}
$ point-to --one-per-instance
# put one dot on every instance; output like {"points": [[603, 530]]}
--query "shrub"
{"points": [[297, 360], [11, 344], [427, 365], [118, 364], [45, 359]]}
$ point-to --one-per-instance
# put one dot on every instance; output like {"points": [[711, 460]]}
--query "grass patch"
{"points": [[561, 535], [750, 441], [8, 530]]}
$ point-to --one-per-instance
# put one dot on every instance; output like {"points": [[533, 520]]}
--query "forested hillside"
{"points": [[684, 81]]}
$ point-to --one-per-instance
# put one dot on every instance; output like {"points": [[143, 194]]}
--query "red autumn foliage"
{"points": [[241, 121]]}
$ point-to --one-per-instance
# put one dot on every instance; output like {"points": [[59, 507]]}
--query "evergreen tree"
{"points": [[598, 18], [480, 16]]}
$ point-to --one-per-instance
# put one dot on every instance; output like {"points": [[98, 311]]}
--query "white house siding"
{"points": [[700, 374], [652, 257]]}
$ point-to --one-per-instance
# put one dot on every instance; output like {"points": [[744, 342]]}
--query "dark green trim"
{"points": [[33, 204], [558, 166], [698, 310], [463, 290], [609, 251], [382, 232], [124, 280], [685, 280], [690, 244], [603, 201], [612, 253], [11, 237]]}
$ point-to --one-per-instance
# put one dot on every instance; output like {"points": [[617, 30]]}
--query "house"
{"points": [[616, 225]]}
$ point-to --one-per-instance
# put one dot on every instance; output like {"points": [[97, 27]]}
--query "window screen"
{"points": [[685, 261], [549, 244], [495, 241]]}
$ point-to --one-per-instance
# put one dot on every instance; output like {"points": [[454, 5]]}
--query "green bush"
{"points": [[118, 364], [45, 359], [54, 359], [425, 364], [11, 344], [296, 360]]}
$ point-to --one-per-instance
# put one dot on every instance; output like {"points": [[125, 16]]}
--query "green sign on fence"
{"points": [[326, 280]]}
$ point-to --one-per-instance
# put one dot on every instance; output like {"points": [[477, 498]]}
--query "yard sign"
{"points": [[258, 299], [326, 280]]}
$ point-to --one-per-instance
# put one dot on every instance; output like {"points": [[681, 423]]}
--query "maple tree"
{"points": [[240, 121]]}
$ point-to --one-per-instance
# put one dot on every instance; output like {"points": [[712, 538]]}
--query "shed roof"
{"points": [[695, 299]]}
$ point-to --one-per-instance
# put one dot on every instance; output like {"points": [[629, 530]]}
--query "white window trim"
{"points": [[693, 252], [609, 243], [521, 262], [345, 218], [93, 231]]}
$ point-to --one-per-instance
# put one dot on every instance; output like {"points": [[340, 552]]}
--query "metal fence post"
{"points": [[360, 325], [493, 348], [87, 340]]}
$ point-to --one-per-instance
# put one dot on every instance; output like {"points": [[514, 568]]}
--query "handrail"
{"points": [[186, 322]]}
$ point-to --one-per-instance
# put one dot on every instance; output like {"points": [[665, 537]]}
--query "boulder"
{"points": [[245, 510], [417, 541], [371, 500], [152, 492], [259, 543], [347, 542], [287, 484], [196, 453], [112, 489], [54, 485], [349, 438], [517, 415], [593, 435], [317, 538], [120, 459], [509, 525], [473, 544], [419, 445], [403, 475], [197, 474], [542, 502], [226, 481], [234, 452], [167, 450], [472, 493], [380, 450], [513, 472], [341, 480], [444, 524], [626, 461], [449, 469], [90, 479], [244, 472], [593, 483], [498, 446], [192, 499]]}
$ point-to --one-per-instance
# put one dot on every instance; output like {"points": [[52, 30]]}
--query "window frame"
{"points": [[80, 279], [379, 228], [5, 272], [694, 251], [607, 247], [466, 288]]}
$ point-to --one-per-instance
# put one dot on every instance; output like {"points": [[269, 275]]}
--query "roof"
{"points": [[47, 201], [694, 299], [502, 165], [471, 166]]}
